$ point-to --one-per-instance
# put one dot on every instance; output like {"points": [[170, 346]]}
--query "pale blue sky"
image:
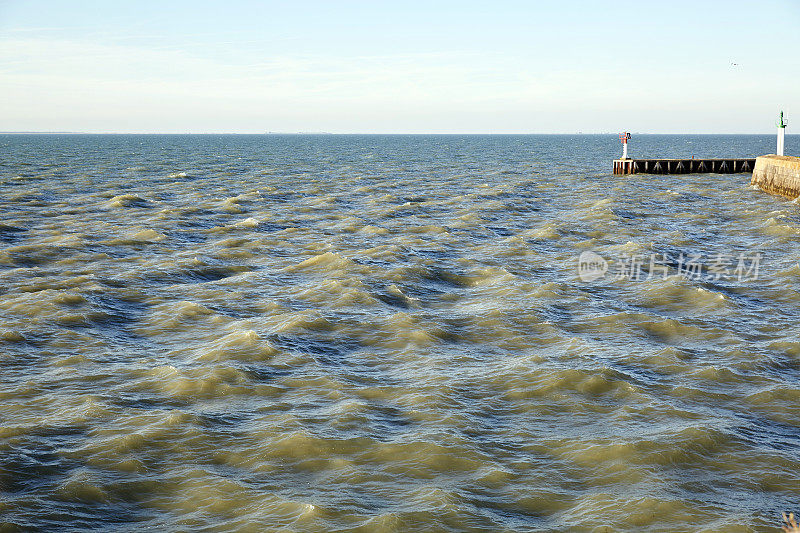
{"points": [[399, 67]]}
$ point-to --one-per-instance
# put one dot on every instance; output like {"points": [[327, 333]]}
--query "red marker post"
{"points": [[624, 137]]}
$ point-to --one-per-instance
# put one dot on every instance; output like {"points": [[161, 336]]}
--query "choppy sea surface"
{"points": [[391, 333]]}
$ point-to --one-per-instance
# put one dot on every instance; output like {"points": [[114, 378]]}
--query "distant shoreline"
{"points": [[279, 134]]}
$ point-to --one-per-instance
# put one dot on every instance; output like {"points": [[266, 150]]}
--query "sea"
{"points": [[391, 333]]}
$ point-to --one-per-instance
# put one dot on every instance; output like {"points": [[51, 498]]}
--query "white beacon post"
{"points": [[781, 132], [624, 137]]}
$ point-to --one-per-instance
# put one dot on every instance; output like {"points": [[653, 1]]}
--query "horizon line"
{"points": [[322, 133]]}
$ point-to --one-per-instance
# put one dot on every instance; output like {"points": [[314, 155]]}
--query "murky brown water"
{"points": [[313, 333]]}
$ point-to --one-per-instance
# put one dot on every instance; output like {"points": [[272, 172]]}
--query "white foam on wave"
{"points": [[249, 222]]}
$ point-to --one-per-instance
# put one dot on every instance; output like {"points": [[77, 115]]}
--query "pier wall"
{"points": [[683, 166], [777, 174]]}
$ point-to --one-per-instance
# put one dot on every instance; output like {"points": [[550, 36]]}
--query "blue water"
{"points": [[391, 333]]}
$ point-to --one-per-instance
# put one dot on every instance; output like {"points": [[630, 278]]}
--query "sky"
{"points": [[347, 66]]}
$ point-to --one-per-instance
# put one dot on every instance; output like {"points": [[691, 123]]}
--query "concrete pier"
{"points": [[777, 174], [683, 166]]}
